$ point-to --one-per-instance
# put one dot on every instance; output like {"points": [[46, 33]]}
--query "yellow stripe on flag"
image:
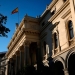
{"points": [[14, 11]]}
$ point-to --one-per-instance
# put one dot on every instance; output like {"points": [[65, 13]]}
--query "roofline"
{"points": [[49, 7]]}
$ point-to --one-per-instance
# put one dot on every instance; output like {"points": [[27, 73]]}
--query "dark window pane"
{"points": [[70, 27], [71, 34], [56, 40]]}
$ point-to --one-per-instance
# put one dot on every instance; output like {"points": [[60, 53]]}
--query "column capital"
{"points": [[26, 43]]}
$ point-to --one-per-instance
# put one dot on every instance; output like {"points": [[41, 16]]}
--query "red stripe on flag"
{"points": [[14, 11]]}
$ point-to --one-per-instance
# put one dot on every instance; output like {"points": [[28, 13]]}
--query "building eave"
{"points": [[14, 44], [16, 32], [52, 4], [48, 9]]}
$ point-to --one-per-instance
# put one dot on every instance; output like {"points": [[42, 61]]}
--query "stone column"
{"points": [[20, 59], [26, 53], [66, 71], [16, 65], [7, 68], [10, 69], [12, 66], [38, 58]]}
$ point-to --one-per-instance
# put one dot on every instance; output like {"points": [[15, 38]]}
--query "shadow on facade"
{"points": [[71, 64], [53, 69]]}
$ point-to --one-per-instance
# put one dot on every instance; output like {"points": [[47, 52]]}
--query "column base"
{"points": [[66, 71]]}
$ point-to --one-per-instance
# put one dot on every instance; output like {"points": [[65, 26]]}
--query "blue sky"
{"points": [[30, 7]]}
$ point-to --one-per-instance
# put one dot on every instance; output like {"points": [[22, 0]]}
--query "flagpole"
{"points": [[18, 15], [16, 10]]}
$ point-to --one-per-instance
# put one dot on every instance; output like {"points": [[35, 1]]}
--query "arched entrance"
{"points": [[58, 68], [71, 64]]}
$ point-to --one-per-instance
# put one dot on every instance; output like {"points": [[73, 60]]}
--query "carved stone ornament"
{"points": [[27, 43]]}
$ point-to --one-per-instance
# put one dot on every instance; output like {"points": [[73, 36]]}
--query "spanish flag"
{"points": [[15, 10]]}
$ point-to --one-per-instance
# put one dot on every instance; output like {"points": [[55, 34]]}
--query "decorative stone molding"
{"points": [[29, 32], [59, 11], [61, 59], [35, 66], [27, 43], [45, 62], [66, 14], [55, 50]]}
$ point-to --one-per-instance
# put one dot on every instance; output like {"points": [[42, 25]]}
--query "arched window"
{"points": [[55, 40], [70, 28]]}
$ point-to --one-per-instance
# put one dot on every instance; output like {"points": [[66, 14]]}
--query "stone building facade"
{"points": [[52, 35]]}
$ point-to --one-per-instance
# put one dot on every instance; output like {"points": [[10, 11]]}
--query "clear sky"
{"points": [[30, 7]]}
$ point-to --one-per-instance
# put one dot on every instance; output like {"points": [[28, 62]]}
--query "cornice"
{"points": [[16, 32], [59, 10], [64, 50], [68, 12], [31, 31], [31, 19], [14, 43], [48, 9], [52, 4], [53, 26], [45, 13]]}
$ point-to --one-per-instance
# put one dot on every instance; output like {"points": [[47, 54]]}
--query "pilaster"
{"points": [[20, 59], [39, 58], [26, 52], [8, 68], [16, 66]]}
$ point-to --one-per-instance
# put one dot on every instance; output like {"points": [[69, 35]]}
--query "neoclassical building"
{"points": [[47, 38]]}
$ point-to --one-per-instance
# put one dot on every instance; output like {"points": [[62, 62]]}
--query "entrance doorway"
{"points": [[58, 68]]}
